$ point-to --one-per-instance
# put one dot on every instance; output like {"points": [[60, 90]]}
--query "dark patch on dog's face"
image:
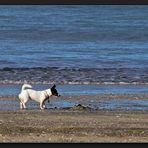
{"points": [[54, 91]]}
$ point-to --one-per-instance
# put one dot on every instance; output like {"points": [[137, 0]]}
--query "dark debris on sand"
{"points": [[77, 107]]}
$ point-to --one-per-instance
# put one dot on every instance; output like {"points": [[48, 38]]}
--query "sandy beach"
{"points": [[74, 124]]}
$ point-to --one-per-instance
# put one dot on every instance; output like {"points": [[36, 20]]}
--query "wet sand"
{"points": [[75, 123]]}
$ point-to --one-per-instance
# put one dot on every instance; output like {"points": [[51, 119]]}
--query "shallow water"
{"points": [[101, 104], [14, 105], [125, 104], [81, 89]]}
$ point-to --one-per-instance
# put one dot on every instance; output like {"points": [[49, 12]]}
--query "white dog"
{"points": [[40, 96]]}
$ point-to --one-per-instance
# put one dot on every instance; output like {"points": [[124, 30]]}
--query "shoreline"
{"points": [[93, 102], [74, 124]]}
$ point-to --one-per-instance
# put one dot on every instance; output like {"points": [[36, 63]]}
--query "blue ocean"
{"points": [[74, 44]]}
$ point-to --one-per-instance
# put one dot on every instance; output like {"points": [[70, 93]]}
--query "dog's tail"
{"points": [[26, 86]]}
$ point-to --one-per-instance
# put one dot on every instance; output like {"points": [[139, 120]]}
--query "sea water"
{"points": [[74, 44]]}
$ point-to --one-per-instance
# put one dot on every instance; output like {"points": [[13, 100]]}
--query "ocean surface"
{"points": [[74, 44]]}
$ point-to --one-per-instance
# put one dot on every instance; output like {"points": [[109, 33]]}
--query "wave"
{"points": [[50, 75], [7, 82]]}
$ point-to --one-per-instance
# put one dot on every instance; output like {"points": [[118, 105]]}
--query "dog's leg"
{"points": [[21, 105], [24, 101], [44, 106], [41, 105], [24, 105]]}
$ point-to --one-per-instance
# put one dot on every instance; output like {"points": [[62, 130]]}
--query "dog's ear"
{"points": [[53, 86]]}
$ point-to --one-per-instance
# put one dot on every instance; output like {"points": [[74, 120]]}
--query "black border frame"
{"points": [[73, 2]]}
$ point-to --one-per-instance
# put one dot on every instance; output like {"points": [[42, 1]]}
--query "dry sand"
{"points": [[74, 124]]}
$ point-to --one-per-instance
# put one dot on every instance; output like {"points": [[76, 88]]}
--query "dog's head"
{"points": [[54, 91]]}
